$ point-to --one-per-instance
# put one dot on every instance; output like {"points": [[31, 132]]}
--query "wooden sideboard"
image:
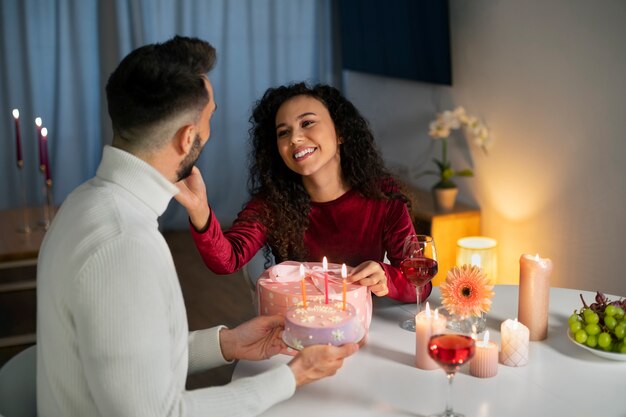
{"points": [[445, 227], [18, 270]]}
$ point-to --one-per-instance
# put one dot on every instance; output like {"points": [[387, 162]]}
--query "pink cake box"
{"points": [[279, 288]]}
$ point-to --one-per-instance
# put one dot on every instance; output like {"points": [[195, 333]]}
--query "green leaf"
{"points": [[465, 173], [447, 174]]}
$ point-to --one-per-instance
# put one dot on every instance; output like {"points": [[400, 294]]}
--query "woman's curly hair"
{"points": [[286, 202]]}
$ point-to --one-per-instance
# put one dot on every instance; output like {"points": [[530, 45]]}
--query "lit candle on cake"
{"points": [[534, 294], [426, 324], [38, 124], [302, 286], [514, 343], [325, 269], [485, 361], [344, 274], [18, 139]]}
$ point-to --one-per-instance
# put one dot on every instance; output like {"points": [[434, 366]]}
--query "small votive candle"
{"points": [[515, 340], [485, 361], [427, 323]]}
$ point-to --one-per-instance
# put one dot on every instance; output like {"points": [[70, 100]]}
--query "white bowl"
{"points": [[598, 352]]}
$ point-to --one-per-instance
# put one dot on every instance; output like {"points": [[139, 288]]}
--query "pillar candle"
{"points": [[534, 294], [426, 324], [485, 361], [514, 349]]}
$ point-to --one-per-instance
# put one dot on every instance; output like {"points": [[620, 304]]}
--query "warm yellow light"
{"points": [[480, 251]]}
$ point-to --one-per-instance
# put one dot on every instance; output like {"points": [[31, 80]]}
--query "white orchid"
{"points": [[441, 127]]}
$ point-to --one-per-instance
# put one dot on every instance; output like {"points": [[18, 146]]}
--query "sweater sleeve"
{"points": [[226, 252], [204, 350], [398, 226]]}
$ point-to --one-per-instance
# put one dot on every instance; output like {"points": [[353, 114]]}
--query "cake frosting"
{"points": [[318, 323]]}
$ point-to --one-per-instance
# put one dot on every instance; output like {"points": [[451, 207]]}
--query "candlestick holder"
{"points": [[25, 227], [49, 200], [46, 217]]}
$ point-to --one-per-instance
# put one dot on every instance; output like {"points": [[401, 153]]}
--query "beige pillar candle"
{"points": [[514, 349], [484, 364], [427, 323], [534, 294]]}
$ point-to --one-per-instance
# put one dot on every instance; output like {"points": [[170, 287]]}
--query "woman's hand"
{"points": [[371, 275], [256, 339], [193, 197]]}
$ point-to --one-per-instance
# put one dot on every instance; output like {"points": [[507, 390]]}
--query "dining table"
{"points": [[381, 379]]}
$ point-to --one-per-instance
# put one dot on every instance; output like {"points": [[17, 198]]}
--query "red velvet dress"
{"points": [[351, 229]]}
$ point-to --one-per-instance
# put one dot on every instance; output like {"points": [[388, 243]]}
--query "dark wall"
{"points": [[397, 38]]}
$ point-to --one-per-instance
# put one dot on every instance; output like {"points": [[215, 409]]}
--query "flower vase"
{"points": [[445, 198], [476, 324]]}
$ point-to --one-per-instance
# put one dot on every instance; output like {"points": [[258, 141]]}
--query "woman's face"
{"points": [[306, 137]]}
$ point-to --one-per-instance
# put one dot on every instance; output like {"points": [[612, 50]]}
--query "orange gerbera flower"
{"points": [[466, 291]]}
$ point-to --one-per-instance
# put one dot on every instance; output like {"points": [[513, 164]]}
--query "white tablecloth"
{"points": [[561, 379]]}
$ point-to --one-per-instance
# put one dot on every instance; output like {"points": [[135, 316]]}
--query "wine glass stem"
{"points": [[449, 411], [418, 293]]}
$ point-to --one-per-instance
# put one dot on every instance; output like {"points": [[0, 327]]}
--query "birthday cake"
{"points": [[279, 288], [319, 323]]}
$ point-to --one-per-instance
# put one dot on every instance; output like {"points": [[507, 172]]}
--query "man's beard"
{"points": [[186, 165]]}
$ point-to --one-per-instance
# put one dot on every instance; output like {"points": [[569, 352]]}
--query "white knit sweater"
{"points": [[112, 335]]}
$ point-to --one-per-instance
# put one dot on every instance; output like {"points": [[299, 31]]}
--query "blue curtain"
{"points": [[57, 56]]}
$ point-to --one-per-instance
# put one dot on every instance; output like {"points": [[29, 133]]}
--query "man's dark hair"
{"points": [[155, 84]]}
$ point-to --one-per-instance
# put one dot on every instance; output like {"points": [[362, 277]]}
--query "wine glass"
{"points": [[419, 267], [451, 349]]}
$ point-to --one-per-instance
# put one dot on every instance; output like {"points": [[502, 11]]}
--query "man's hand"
{"points": [[256, 339], [371, 275], [319, 361], [193, 197]]}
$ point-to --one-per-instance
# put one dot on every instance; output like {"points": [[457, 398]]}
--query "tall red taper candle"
{"points": [[44, 152], [18, 139], [38, 124]]}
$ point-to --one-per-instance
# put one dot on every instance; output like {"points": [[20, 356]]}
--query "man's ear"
{"points": [[184, 138]]}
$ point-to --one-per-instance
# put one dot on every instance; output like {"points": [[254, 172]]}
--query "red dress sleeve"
{"points": [[227, 252]]}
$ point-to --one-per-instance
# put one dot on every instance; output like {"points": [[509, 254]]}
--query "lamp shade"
{"points": [[479, 251]]}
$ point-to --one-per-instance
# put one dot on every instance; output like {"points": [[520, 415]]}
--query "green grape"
{"points": [[593, 329], [610, 310], [604, 340], [610, 322], [581, 336], [592, 318], [622, 349], [592, 340], [576, 326], [620, 330], [619, 314], [574, 318]]}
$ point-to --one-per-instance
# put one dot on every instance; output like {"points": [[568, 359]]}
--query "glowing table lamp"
{"points": [[480, 251]]}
